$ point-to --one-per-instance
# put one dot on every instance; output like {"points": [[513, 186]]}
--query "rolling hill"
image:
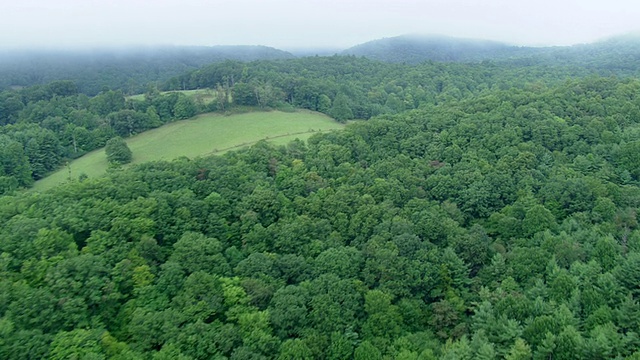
{"points": [[414, 49]]}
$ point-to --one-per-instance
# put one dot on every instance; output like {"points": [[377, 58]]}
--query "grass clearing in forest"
{"points": [[205, 134], [204, 96]]}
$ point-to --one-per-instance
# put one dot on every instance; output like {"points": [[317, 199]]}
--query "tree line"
{"points": [[348, 87]]}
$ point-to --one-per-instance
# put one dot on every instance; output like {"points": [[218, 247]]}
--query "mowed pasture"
{"points": [[206, 134]]}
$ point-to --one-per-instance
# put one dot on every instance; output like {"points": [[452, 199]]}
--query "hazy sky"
{"points": [[307, 23]]}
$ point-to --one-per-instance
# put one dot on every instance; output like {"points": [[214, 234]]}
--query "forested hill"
{"points": [[129, 70], [502, 226], [132, 70], [44, 126], [618, 54]]}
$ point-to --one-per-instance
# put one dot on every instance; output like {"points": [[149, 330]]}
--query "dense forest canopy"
{"points": [[483, 211]]}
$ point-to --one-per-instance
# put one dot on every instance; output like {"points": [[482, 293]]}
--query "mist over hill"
{"points": [[132, 70], [129, 69], [616, 53], [418, 48]]}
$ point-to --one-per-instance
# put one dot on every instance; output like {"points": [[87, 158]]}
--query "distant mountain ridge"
{"points": [[616, 52], [132, 69], [418, 48]]}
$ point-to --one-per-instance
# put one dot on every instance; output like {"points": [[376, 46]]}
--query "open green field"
{"points": [[202, 135]]}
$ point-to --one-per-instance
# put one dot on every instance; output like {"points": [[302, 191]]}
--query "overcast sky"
{"points": [[307, 23]]}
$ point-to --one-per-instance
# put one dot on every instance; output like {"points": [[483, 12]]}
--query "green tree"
{"points": [[383, 319], [394, 103], [221, 97], [184, 108], [627, 158], [519, 351], [244, 94], [170, 352], [324, 104], [195, 252], [341, 345], [294, 349], [117, 151], [335, 304], [77, 344], [107, 102], [44, 152], [568, 344], [460, 349], [9, 109], [289, 312], [14, 165], [341, 110], [628, 273], [538, 218], [201, 298], [367, 351], [154, 118], [129, 122]]}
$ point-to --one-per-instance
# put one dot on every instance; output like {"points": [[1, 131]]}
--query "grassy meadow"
{"points": [[202, 135]]}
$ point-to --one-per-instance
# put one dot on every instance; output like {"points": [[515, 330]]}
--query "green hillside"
{"points": [[203, 135]]}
